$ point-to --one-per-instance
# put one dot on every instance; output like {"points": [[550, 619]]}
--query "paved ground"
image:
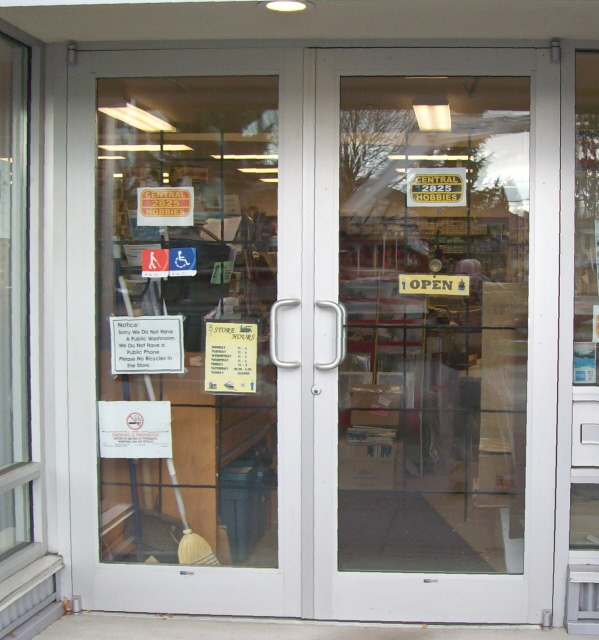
{"points": [[98, 626]]}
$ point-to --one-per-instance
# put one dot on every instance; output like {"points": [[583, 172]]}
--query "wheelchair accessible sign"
{"points": [[161, 263]]}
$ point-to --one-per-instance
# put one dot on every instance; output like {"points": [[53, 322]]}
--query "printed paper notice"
{"points": [[585, 362], [434, 285], [169, 207], [148, 344], [135, 429], [231, 357], [436, 187]]}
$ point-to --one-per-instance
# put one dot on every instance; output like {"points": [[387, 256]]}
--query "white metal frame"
{"points": [[453, 598], [204, 590], [32, 471]]}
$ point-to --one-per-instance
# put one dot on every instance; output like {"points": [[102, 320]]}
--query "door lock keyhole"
{"points": [[316, 390]]}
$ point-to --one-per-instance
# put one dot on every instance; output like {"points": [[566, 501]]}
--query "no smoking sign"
{"points": [[135, 421]]}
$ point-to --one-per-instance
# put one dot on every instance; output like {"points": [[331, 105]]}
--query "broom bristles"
{"points": [[193, 549]]}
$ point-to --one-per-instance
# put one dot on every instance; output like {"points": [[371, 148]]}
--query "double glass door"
{"points": [[349, 243]]}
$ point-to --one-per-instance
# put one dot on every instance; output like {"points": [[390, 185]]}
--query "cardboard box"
{"points": [[496, 477], [376, 405], [359, 471]]}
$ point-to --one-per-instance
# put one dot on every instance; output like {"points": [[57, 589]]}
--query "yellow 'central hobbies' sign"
{"points": [[434, 285], [168, 207], [436, 187]]}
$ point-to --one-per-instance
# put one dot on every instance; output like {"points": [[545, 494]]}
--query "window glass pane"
{"points": [[14, 422], [434, 218], [584, 516], [15, 519], [586, 274], [208, 146]]}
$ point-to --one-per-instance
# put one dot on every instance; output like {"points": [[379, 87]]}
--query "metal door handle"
{"points": [[288, 302], [340, 342]]}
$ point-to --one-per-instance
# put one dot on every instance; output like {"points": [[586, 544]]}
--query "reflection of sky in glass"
{"points": [[508, 161]]}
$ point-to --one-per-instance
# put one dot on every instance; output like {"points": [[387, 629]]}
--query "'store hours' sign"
{"points": [[436, 187], [168, 207]]}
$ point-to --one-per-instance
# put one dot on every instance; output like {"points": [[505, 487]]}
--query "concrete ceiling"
{"points": [[331, 19]]}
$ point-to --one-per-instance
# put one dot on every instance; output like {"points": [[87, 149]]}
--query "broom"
{"points": [[193, 549]]}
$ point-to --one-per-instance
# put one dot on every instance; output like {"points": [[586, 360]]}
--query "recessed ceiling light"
{"points": [[287, 5]]}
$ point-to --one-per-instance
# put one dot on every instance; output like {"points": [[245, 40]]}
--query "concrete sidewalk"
{"points": [[104, 626]]}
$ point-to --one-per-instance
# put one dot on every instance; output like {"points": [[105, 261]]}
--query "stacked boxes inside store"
{"points": [[369, 449]]}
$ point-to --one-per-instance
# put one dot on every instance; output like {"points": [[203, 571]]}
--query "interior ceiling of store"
{"points": [[338, 19]]}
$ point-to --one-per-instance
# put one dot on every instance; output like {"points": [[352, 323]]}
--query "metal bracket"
{"points": [[556, 50], [72, 54]]}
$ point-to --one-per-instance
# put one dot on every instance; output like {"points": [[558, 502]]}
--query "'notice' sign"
{"points": [[169, 207], [436, 187], [434, 285], [148, 344]]}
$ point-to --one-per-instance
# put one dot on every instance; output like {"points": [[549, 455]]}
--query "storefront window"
{"points": [[187, 233], [15, 524], [586, 273]]}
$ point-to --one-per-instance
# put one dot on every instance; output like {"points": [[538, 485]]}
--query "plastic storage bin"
{"points": [[242, 508]]}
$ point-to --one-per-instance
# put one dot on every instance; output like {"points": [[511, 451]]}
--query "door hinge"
{"points": [[72, 54]]}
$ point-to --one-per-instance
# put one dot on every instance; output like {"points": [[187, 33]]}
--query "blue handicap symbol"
{"points": [[183, 259]]}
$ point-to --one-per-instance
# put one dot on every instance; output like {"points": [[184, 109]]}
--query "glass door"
{"points": [[431, 245], [185, 497]]}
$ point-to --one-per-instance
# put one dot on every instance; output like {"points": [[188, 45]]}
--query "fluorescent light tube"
{"points": [[250, 156], [259, 170], [269, 179], [145, 147], [433, 117], [108, 158], [138, 118], [428, 157]]}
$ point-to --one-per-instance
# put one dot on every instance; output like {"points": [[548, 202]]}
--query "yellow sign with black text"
{"points": [[231, 357], [434, 285], [436, 187]]}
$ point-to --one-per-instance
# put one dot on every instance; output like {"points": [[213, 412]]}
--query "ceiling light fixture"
{"points": [[259, 170], [138, 118], [269, 179], [107, 158], [432, 114], [287, 6], [145, 147]]}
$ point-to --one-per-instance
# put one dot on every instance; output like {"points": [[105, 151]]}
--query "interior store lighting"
{"points": [[259, 170], [250, 156], [111, 158], [402, 157], [287, 6], [144, 147], [432, 115], [117, 175], [138, 118], [269, 179]]}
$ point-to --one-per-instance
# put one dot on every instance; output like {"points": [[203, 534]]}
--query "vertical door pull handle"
{"points": [[340, 342], [288, 302]]}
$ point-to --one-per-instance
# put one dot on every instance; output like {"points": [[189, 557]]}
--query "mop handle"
{"points": [[170, 465], [129, 309], [152, 396]]}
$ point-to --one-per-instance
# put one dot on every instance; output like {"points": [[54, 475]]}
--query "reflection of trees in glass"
{"points": [[587, 147], [368, 137]]}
